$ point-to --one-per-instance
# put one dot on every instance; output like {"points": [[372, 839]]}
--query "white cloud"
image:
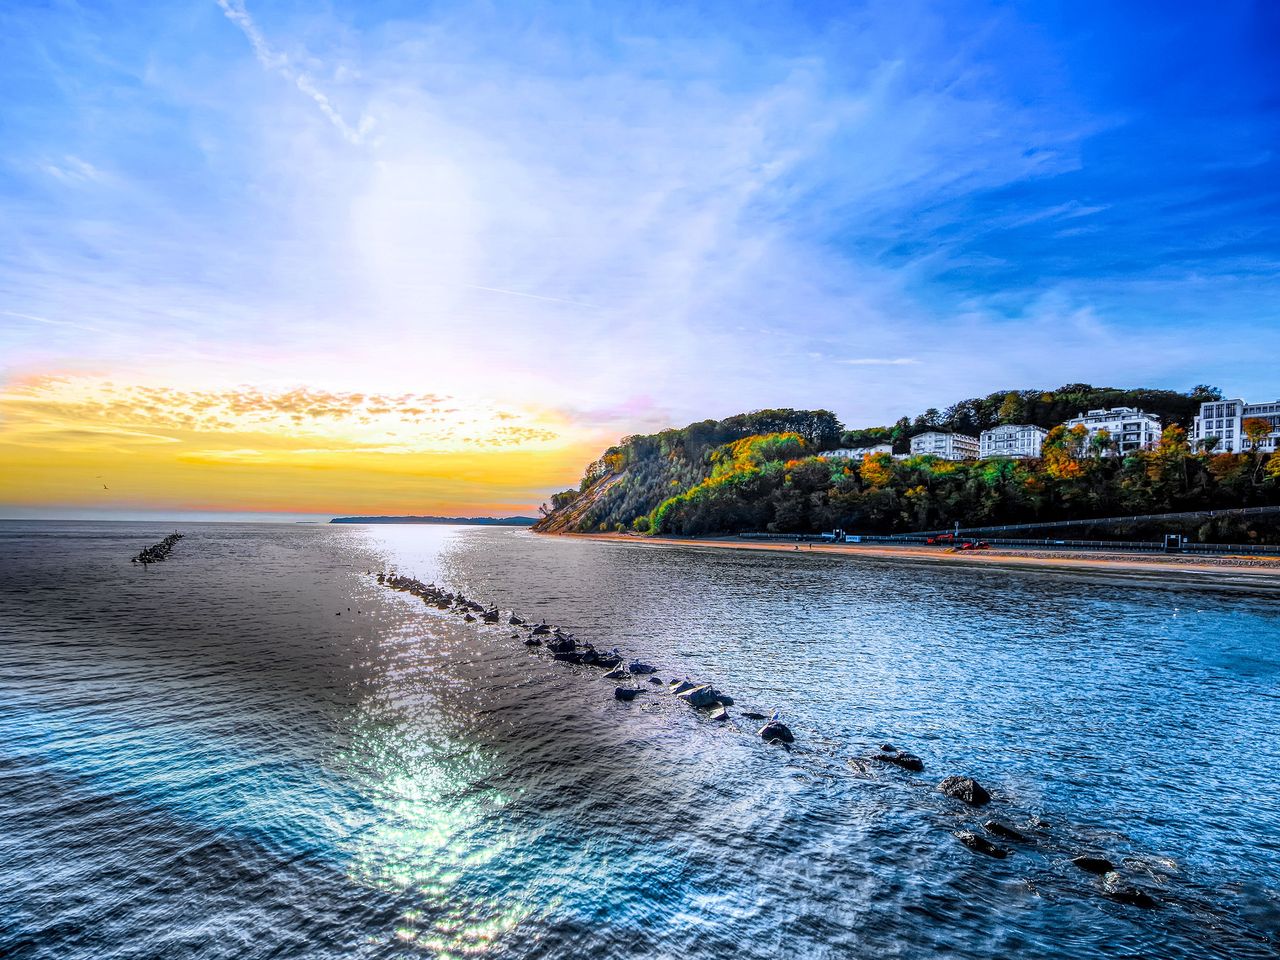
{"points": [[237, 13], [642, 221]]}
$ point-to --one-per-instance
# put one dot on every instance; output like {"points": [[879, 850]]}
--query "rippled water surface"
{"points": [[252, 750]]}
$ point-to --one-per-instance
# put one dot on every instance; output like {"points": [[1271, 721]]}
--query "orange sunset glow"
{"points": [[92, 443]]}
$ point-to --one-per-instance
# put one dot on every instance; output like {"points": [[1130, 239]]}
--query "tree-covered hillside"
{"points": [[878, 494], [629, 480], [761, 472]]}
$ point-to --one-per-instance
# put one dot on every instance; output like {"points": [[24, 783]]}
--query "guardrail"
{"points": [[1096, 521], [1147, 546]]}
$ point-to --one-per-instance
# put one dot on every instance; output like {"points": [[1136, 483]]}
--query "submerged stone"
{"points": [[980, 844], [1006, 831], [966, 789], [1091, 864], [907, 761], [1115, 888]]}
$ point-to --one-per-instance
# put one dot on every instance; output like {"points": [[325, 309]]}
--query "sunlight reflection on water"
{"points": [[259, 751]]}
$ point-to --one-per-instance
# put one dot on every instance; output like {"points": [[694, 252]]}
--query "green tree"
{"points": [[1100, 443]]}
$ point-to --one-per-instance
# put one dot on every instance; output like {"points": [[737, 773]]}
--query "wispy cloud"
{"points": [[700, 214], [280, 63]]}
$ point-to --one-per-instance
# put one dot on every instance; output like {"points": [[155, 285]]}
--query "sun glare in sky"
{"points": [[276, 256]]}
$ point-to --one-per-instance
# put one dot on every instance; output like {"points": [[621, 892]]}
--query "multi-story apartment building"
{"points": [[946, 446], [857, 453], [1129, 428], [1223, 420], [1019, 440]]}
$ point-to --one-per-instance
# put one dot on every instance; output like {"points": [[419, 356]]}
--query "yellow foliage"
{"points": [[877, 469]]}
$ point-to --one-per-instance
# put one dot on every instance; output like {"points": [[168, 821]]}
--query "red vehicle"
{"points": [[941, 538], [975, 545]]}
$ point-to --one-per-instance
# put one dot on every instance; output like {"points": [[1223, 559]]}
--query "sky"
{"points": [[274, 257]]}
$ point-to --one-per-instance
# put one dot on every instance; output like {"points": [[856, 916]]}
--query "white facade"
{"points": [[1224, 420], [946, 446], [1130, 429], [1019, 440], [857, 453]]}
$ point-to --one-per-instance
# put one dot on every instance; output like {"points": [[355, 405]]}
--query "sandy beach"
{"points": [[1225, 571]]}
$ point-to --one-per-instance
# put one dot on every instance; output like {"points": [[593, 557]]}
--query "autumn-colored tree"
{"points": [[1255, 430], [1168, 461], [1060, 451], [1226, 468], [877, 469], [1010, 408], [1271, 471]]}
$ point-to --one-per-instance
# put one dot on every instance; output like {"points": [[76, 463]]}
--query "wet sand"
{"points": [[1224, 571]]}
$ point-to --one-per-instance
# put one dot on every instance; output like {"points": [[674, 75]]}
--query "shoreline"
{"points": [[1222, 572]]}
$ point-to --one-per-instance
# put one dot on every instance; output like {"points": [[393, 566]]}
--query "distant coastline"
{"points": [[470, 521]]}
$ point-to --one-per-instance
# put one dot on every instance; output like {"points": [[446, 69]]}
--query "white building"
{"points": [[1129, 428], [1019, 440], [945, 446], [857, 453], [1224, 419]]}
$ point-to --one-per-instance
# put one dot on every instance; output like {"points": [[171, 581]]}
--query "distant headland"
{"points": [[474, 521]]}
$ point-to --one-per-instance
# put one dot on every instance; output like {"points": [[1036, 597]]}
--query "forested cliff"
{"points": [[762, 472]]}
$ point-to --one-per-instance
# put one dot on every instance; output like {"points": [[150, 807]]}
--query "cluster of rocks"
{"points": [[157, 552], [566, 648], [999, 839], [995, 838]]}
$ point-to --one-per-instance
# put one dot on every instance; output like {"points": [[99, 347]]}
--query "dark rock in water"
{"points": [[1115, 888], [701, 698], [627, 693], [980, 844], [888, 748], [1005, 831], [657, 680], [541, 630], [719, 713], [776, 732], [607, 660], [559, 645], [532, 642], [966, 789], [1089, 864], [637, 667], [680, 686], [515, 621], [491, 616], [907, 761], [616, 675], [753, 716], [469, 618]]}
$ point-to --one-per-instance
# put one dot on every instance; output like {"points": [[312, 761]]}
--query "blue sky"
{"points": [[622, 216]]}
